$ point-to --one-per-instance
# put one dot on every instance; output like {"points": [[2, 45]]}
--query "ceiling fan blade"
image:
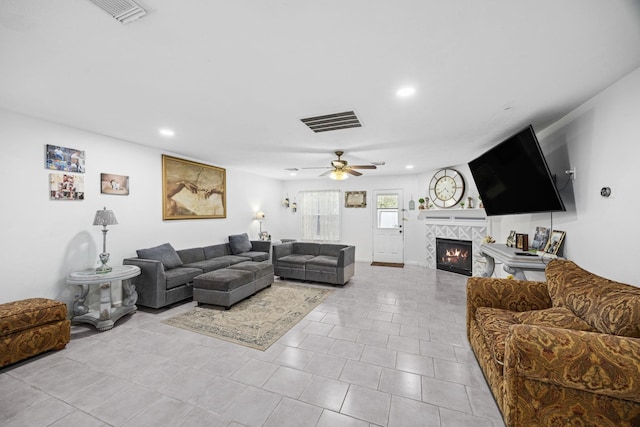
{"points": [[327, 172], [318, 167], [352, 172], [363, 167]]}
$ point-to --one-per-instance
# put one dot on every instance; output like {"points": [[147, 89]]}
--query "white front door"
{"points": [[388, 237]]}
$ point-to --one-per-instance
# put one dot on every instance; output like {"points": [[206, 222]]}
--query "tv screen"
{"points": [[513, 177]]}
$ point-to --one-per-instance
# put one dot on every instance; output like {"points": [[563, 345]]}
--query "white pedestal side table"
{"points": [[105, 317], [515, 261]]}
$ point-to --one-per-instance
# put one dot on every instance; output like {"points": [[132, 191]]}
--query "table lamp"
{"points": [[104, 217]]}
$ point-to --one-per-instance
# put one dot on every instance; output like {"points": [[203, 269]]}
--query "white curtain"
{"points": [[320, 212]]}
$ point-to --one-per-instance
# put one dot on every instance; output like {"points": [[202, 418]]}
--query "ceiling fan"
{"points": [[340, 168]]}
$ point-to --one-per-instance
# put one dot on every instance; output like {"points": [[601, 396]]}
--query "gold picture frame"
{"points": [[355, 199], [192, 190], [555, 241]]}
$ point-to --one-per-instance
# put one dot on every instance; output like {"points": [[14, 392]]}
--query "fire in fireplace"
{"points": [[454, 255]]}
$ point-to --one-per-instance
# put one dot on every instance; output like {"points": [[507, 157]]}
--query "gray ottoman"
{"points": [[223, 287], [262, 272], [230, 285]]}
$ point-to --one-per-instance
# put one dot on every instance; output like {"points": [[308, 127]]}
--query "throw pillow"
{"points": [[239, 243], [163, 253]]}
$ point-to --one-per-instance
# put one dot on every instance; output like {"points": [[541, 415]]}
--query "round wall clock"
{"points": [[446, 188]]}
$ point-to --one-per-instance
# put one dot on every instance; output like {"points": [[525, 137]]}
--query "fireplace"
{"points": [[454, 255]]}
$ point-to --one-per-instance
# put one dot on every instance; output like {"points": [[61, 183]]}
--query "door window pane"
{"points": [[387, 218]]}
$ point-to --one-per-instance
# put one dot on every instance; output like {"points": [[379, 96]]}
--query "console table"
{"points": [[105, 317], [513, 262]]}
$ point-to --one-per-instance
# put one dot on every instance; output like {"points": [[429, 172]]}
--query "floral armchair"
{"points": [[565, 352]]}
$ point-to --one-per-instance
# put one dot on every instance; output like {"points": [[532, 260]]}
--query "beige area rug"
{"points": [[256, 322]]}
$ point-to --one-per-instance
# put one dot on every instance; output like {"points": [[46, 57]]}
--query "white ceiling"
{"points": [[234, 78]]}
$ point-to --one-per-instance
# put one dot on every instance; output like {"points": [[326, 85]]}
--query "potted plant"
{"points": [[421, 201]]}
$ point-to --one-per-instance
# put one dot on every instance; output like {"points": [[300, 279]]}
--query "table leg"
{"points": [[490, 267], [105, 301], [130, 296], [79, 308]]}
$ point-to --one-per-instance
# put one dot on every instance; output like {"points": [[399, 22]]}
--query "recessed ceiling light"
{"points": [[409, 167], [406, 91], [293, 174], [167, 132]]}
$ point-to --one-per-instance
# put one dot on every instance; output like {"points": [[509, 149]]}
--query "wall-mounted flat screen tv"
{"points": [[513, 177]]}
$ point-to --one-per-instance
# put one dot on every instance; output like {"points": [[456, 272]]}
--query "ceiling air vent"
{"points": [[123, 10], [336, 121]]}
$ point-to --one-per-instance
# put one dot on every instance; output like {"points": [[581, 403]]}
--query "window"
{"points": [[320, 212], [387, 210]]}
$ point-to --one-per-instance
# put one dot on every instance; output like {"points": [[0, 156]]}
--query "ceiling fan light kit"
{"points": [[341, 169], [338, 175]]}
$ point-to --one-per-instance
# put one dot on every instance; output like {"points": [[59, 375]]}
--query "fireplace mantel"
{"points": [[449, 216]]}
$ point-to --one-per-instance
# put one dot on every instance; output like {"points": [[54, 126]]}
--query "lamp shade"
{"points": [[260, 215], [338, 175], [105, 217]]}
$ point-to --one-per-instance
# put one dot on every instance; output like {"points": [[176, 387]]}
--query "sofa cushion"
{"points": [[164, 253], [180, 276], [210, 264], [215, 251], [323, 263], [306, 248], [331, 249], [189, 256], [610, 307], [294, 260], [239, 243], [494, 324], [255, 256]]}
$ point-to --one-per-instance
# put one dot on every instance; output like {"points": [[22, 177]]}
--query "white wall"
{"points": [[602, 141], [44, 240]]}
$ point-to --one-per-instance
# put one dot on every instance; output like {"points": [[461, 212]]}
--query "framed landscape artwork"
{"points": [[114, 184], [355, 199], [192, 190]]}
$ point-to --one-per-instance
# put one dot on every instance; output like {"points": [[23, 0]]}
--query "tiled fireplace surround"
{"points": [[461, 224]]}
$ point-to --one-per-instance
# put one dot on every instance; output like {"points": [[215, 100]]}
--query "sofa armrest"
{"points": [[587, 361], [346, 256], [280, 251], [508, 294], [261, 246], [151, 283]]}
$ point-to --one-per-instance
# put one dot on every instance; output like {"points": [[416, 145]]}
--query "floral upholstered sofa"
{"points": [[565, 352]]}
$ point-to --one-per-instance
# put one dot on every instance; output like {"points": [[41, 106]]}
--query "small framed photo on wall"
{"points": [[355, 199], [63, 186], [64, 159], [114, 184]]}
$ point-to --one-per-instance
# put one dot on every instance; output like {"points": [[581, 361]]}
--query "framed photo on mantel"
{"points": [[540, 238], [555, 241]]}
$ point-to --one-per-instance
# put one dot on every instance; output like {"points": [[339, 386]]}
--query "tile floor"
{"points": [[387, 349]]}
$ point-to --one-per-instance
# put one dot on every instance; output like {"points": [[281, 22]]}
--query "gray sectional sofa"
{"points": [[167, 274], [317, 262]]}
